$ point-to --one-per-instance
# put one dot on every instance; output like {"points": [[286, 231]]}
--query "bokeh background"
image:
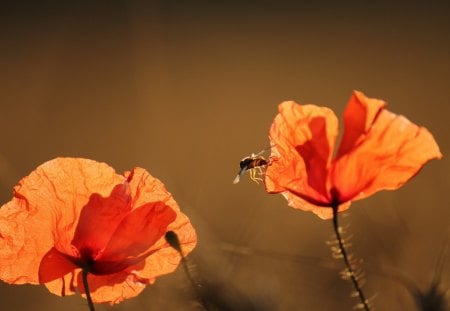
{"points": [[186, 89]]}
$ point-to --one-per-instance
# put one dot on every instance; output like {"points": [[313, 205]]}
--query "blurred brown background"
{"points": [[186, 89]]}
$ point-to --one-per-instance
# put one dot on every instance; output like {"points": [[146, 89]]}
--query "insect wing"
{"points": [[238, 176]]}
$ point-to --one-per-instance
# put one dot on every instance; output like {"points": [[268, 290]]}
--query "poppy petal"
{"points": [[66, 285], [100, 218], [116, 287], [161, 259], [164, 259], [387, 152], [54, 265], [324, 212], [359, 117], [66, 185], [23, 241], [302, 139], [44, 213], [145, 188], [135, 235], [38, 225], [113, 288]]}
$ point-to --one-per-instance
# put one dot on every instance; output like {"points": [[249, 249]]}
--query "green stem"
{"points": [[351, 273], [84, 275]]}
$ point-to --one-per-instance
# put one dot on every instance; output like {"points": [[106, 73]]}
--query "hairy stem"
{"points": [[84, 275], [348, 265]]}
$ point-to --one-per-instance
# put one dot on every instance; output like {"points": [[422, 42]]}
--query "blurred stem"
{"points": [[84, 275], [197, 290], [348, 265], [172, 238]]}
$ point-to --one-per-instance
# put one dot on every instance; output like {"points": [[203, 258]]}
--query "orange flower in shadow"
{"points": [[379, 150], [73, 214]]}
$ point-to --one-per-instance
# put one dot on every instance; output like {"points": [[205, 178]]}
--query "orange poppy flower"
{"points": [[73, 214], [379, 150]]}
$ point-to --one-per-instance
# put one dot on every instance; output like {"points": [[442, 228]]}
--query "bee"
{"points": [[253, 164]]}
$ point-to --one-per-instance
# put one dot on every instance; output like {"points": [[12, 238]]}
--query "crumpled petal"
{"points": [[66, 285], [302, 139], [114, 288], [38, 226], [146, 188], [55, 265], [21, 246], [324, 212], [100, 218], [111, 288], [135, 235], [44, 212], [381, 151]]}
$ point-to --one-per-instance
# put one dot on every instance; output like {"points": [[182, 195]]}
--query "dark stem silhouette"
{"points": [[172, 238], [350, 270], [84, 275]]}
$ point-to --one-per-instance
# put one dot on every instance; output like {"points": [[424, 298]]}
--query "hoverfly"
{"points": [[253, 164]]}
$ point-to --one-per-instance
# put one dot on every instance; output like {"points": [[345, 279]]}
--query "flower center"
{"points": [[87, 258], [334, 202]]}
